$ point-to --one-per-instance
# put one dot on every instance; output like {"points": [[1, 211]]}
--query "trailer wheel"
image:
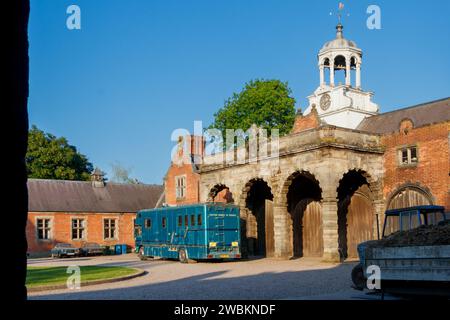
{"points": [[182, 256], [141, 254], [358, 278]]}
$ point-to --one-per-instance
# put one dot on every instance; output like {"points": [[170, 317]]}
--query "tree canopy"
{"points": [[266, 103], [50, 157]]}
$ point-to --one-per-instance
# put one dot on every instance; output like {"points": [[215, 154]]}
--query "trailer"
{"points": [[413, 257], [208, 231]]}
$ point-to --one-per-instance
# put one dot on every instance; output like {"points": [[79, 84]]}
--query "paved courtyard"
{"points": [[253, 279]]}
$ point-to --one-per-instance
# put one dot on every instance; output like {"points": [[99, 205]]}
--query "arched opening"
{"points": [[326, 70], [409, 196], [352, 70], [259, 222], [220, 193], [339, 70], [303, 200], [355, 213]]}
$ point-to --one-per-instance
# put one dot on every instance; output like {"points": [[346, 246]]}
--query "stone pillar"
{"points": [[332, 73], [244, 230], [330, 230], [282, 238], [358, 75], [322, 75], [347, 72]]}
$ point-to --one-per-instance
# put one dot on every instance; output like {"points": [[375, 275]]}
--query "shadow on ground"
{"points": [[222, 285]]}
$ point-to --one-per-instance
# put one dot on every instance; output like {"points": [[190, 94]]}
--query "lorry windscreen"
{"points": [[410, 220]]}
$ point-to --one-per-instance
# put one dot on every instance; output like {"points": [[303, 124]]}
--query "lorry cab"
{"points": [[409, 218]]}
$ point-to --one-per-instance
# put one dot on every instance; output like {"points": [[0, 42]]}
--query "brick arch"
{"points": [[423, 190], [282, 194], [217, 189], [373, 182], [249, 184]]}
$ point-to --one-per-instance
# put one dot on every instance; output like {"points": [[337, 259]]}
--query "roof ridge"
{"points": [[86, 181], [412, 107]]}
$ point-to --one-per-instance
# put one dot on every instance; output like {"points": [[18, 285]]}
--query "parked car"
{"points": [[64, 250], [91, 249]]}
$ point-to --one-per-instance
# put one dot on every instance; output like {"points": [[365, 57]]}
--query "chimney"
{"points": [[195, 148], [98, 178]]}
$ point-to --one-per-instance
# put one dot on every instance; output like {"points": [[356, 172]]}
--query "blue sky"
{"points": [[138, 69]]}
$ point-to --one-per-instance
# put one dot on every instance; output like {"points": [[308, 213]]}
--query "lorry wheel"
{"points": [[182, 256], [141, 254], [358, 278]]}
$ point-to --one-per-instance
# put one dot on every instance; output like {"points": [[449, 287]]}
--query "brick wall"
{"points": [[181, 165], [192, 184], [432, 169], [61, 229], [303, 123]]}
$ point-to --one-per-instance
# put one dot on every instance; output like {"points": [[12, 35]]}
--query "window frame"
{"points": [[410, 162], [111, 228], [49, 228], [180, 187], [78, 228]]}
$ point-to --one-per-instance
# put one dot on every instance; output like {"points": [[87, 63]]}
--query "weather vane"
{"points": [[339, 13]]}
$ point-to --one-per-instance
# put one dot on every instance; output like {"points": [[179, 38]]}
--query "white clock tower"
{"points": [[343, 105]]}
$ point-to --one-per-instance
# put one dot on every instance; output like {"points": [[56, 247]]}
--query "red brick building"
{"points": [[416, 157], [182, 180], [81, 211]]}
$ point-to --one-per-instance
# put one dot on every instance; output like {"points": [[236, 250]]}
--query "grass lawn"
{"points": [[48, 276]]}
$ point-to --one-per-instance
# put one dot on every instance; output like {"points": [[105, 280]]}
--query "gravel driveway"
{"points": [[254, 279]]}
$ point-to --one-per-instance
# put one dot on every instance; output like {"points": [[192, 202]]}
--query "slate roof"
{"points": [[422, 114], [82, 196]]}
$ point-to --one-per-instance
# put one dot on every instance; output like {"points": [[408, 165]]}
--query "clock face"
{"points": [[325, 101]]}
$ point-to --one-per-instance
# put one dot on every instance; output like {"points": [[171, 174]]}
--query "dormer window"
{"points": [[408, 156]]}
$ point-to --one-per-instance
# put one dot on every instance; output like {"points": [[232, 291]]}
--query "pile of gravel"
{"points": [[431, 235]]}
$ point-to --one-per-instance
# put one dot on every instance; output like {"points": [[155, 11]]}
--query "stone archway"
{"points": [[220, 193], [305, 212], [259, 233], [356, 212]]}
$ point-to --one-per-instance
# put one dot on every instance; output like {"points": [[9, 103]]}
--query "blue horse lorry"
{"points": [[193, 232]]}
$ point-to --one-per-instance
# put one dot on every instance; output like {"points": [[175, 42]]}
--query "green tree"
{"points": [[266, 103], [49, 157]]}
